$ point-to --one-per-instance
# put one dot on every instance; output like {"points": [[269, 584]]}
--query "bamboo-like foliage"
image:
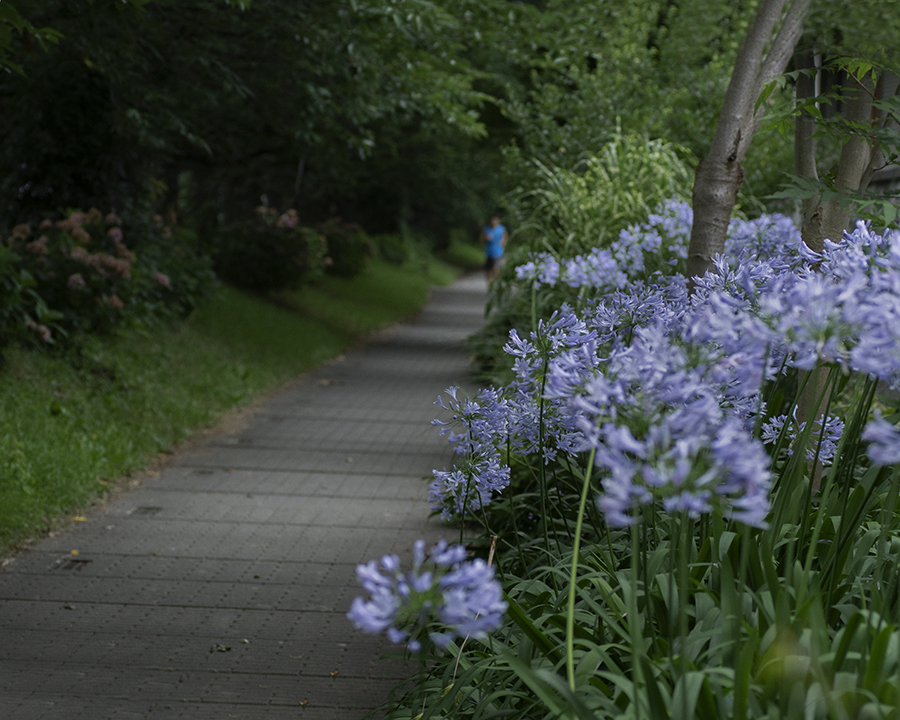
{"points": [[572, 211]]}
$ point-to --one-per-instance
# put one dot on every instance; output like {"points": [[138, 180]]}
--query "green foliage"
{"points": [[464, 252], [392, 249], [572, 211], [390, 115], [862, 29], [658, 68], [271, 253], [349, 247], [13, 27], [361, 304], [19, 303], [314, 104]]}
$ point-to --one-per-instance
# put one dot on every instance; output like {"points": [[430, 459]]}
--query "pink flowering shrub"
{"points": [[87, 273]]}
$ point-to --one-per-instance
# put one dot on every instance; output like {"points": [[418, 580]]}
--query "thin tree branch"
{"points": [[777, 58], [804, 126], [785, 41]]}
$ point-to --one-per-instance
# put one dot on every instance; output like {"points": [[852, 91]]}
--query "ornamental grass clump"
{"points": [[689, 524]]}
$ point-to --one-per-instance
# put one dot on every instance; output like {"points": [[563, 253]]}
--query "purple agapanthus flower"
{"points": [[469, 487], [442, 597], [884, 441], [825, 442]]}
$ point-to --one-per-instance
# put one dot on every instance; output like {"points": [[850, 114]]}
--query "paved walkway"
{"points": [[219, 588]]}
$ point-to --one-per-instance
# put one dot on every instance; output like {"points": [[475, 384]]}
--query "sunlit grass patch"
{"points": [[382, 295], [465, 255]]}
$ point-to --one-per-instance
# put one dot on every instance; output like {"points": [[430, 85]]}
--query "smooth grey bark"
{"points": [[805, 145], [828, 220], [720, 174]]}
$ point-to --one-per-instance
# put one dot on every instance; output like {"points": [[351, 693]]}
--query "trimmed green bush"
{"points": [[349, 247], [269, 254], [392, 249]]}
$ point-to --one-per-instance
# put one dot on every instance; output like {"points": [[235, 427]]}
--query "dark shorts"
{"points": [[491, 262]]}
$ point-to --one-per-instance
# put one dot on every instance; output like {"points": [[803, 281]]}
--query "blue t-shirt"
{"points": [[494, 248]]}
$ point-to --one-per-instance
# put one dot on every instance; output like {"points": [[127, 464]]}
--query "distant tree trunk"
{"points": [[298, 180], [828, 220], [720, 174], [805, 145]]}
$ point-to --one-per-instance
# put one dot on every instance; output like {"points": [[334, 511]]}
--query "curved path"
{"points": [[219, 588]]}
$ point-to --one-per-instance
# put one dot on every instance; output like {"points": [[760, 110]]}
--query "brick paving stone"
{"points": [[219, 588]]}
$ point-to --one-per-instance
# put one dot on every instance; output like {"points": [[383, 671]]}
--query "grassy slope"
{"points": [[67, 431], [364, 303]]}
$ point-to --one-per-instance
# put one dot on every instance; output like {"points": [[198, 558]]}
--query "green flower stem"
{"points": [[858, 412], [542, 466], [634, 623], [830, 382], [573, 575], [534, 306]]}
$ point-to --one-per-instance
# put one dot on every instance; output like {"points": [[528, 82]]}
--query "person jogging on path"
{"points": [[494, 237]]}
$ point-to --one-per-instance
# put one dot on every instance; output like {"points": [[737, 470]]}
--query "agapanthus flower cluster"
{"points": [[685, 472], [538, 422], [543, 268], [469, 486], [639, 250], [477, 429], [667, 390], [824, 440], [476, 426], [847, 312], [597, 270], [656, 414], [772, 238], [443, 596]]}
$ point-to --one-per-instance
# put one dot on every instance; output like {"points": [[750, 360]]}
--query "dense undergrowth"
{"points": [[75, 418]]}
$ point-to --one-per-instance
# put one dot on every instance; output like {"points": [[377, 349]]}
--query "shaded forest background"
{"points": [[390, 114]]}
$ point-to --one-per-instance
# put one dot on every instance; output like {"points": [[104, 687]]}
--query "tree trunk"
{"points": [[720, 174], [829, 220], [805, 145]]}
